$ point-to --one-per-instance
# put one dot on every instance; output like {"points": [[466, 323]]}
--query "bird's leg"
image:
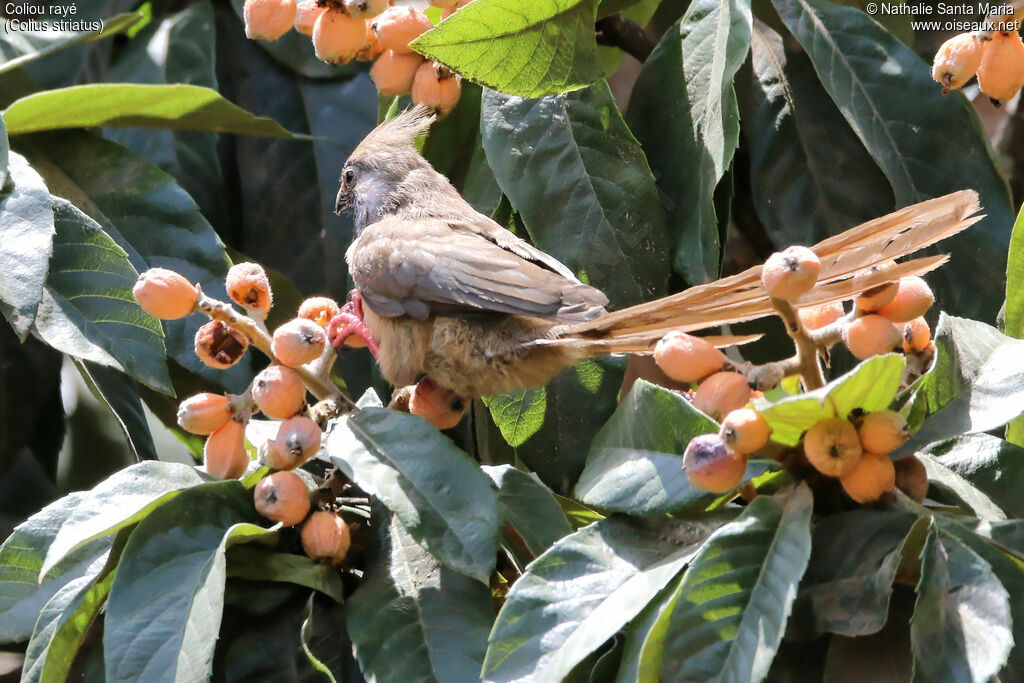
{"points": [[349, 322]]}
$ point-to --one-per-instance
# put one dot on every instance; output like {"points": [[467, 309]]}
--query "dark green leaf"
{"points": [[635, 463], [609, 225], [26, 242], [175, 107], [414, 619], [1013, 308], [251, 562], [684, 111], [88, 310], [22, 596], [326, 641], [990, 464], [886, 93], [737, 594], [810, 175], [961, 627], [434, 489], [165, 604], [119, 394], [970, 497], [30, 50], [645, 637], [119, 501], [528, 49], [528, 507], [585, 588], [854, 559]]}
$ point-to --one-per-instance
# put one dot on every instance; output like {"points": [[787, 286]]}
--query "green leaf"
{"points": [[645, 637], [5, 153], [534, 49], [738, 592], [414, 619], [806, 184], [434, 489], [30, 52], [175, 107], [635, 463], [886, 93], [119, 501], [88, 310], [974, 385], [26, 242], [970, 497], [149, 216], [988, 463], [518, 415], [584, 589], [684, 110], [22, 595], [870, 386], [854, 558], [165, 604], [1012, 315], [252, 562], [528, 509], [610, 224], [961, 628], [120, 395]]}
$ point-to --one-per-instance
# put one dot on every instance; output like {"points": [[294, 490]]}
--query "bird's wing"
{"points": [[423, 267]]}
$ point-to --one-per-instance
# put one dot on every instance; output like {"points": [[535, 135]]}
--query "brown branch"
{"points": [[806, 348], [617, 31]]}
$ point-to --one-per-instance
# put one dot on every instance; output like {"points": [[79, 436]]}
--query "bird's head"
{"points": [[375, 176]]}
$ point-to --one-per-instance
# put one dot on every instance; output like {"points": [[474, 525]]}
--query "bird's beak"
{"points": [[343, 201]]}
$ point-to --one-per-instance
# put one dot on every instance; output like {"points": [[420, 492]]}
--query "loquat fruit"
{"points": [[876, 297], [364, 9], [872, 476], [298, 342], [745, 431], [832, 446], [224, 453], [711, 466], [165, 294], [282, 497], [1001, 71], [912, 478], [916, 335], [440, 407], [372, 49], [326, 536], [957, 61], [268, 19], [249, 287], [204, 413], [319, 309], [686, 358], [278, 391], [399, 26], [219, 346], [722, 393], [299, 438], [790, 273], [871, 335], [883, 431], [436, 87], [913, 299], [817, 317], [394, 72], [338, 36], [306, 14]]}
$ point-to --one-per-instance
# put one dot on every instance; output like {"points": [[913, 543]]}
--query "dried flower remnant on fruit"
{"points": [[319, 309], [686, 358], [913, 299], [791, 273], [219, 346], [871, 335], [282, 497], [399, 26], [338, 36], [1001, 72], [326, 536], [711, 466], [436, 87], [249, 287], [832, 446], [722, 393], [957, 61], [872, 476], [279, 392], [306, 14], [393, 72], [165, 294], [298, 342], [204, 413], [224, 453], [268, 19]]}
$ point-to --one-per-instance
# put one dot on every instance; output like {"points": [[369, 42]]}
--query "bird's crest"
{"points": [[402, 130]]}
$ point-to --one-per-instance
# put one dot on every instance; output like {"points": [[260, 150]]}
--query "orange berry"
{"points": [[165, 294], [298, 440], [399, 26], [722, 393], [298, 342], [1001, 71], [871, 335], [711, 466], [249, 287], [745, 431], [268, 19], [832, 446], [282, 497], [912, 477], [204, 413], [319, 309], [447, 12], [883, 431], [872, 476], [876, 297], [364, 9], [913, 299], [816, 317], [957, 61], [306, 14], [278, 391], [686, 358], [338, 36], [916, 335], [791, 273], [326, 536], [219, 346], [440, 407], [372, 49], [393, 72], [224, 453], [436, 88]]}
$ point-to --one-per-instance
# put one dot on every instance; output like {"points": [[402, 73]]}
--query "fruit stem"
{"points": [[806, 348], [225, 313]]}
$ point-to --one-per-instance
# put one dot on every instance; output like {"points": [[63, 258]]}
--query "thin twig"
{"points": [[617, 31], [806, 348]]}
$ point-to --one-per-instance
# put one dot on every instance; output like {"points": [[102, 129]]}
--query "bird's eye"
{"points": [[350, 175]]}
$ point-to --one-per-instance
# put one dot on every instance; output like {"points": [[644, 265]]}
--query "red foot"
{"points": [[350, 322]]}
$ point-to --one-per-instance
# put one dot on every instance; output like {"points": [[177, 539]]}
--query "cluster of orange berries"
{"points": [[884, 318], [278, 391], [365, 30], [998, 61]]}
